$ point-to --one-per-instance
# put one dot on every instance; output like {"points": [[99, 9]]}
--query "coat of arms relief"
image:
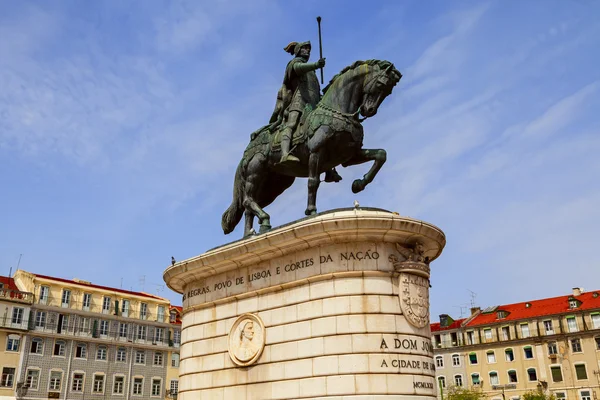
{"points": [[413, 290]]}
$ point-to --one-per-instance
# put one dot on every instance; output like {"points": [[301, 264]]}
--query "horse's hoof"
{"points": [[264, 228], [358, 186], [310, 211]]}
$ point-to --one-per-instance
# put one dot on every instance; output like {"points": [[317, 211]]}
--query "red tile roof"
{"points": [[8, 283], [72, 282], [538, 308], [435, 327]]}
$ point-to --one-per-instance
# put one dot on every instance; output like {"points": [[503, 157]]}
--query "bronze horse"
{"points": [[330, 135]]}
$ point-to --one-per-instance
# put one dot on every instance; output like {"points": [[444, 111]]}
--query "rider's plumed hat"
{"points": [[294, 47]]}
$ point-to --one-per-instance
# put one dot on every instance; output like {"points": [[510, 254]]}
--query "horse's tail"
{"points": [[234, 213]]}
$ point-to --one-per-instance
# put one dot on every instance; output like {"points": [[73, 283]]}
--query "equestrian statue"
{"points": [[309, 134]]}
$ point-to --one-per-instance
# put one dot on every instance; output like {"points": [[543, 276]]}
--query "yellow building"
{"points": [[94, 342], [15, 307], [173, 367], [549, 344]]}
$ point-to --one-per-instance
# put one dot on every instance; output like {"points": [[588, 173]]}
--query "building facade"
{"points": [[550, 344], [87, 341], [15, 308], [447, 338]]}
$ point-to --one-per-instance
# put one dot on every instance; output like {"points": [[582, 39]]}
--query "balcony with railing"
{"points": [[135, 310], [16, 296], [114, 331]]}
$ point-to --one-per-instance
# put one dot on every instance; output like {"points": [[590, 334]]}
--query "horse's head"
{"points": [[380, 79]]}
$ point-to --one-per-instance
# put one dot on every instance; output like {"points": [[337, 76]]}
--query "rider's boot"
{"points": [[286, 138], [332, 176]]}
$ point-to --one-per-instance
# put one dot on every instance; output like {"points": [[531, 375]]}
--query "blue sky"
{"points": [[121, 124]]}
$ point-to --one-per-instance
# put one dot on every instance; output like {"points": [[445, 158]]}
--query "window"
{"points": [[487, 334], [138, 384], [87, 301], [37, 346], [470, 337], [531, 374], [160, 314], [494, 378], [512, 376], [510, 356], [158, 335], [44, 292], [103, 327], [55, 380], [66, 298], [177, 337], [125, 308], [548, 327], [573, 303], [585, 395], [439, 362], [505, 333], [40, 319], [77, 385], [552, 348], [572, 324], [156, 387], [12, 342], [175, 360], [101, 353], [556, 373], [81, 350], [475, 379], [106, 305], [85, 325], [64, 324], [17, 315], [560, 395], [98, 386], [525, 330], [118, 384], [442, 381], [33, 379], [59, 348], [580, 371], [596, 321], [174, 386], [143, 311], [597, 338], [456, 360], [8, 377], [528, 352], [122, 330], [140, 357], [141, 332], [458, 380], [121, 354], [172, 316], [473, 358], [158, 359], [491, 357], [576, 345]]}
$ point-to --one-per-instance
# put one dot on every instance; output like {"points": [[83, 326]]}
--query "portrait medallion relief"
{"points": [[246, 340]]}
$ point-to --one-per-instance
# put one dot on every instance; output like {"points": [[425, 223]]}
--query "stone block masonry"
{"points": [[333, 306]]}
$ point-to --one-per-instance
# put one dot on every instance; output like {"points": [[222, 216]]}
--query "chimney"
{"points": [[577, 291], [475, 310]]}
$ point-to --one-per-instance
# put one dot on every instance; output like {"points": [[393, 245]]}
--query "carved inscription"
{"points": [[287, 268]]}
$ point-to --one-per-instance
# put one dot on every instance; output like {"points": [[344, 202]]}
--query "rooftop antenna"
{"points": [[18, 263], [462, 309], [143, 282], [121, 282], [473, 295]]}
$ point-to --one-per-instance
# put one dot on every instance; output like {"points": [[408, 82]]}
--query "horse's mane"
{"points": [[380, 63]]}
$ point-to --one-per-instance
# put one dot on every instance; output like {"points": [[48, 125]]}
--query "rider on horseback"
{"points": [[301, 84]]}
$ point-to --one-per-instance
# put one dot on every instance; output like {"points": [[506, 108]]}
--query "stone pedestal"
{"points": [[334, 306]]}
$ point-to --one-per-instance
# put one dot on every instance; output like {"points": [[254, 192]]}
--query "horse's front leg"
{"points": [[315, 148], [313, 183], [362, 156]]}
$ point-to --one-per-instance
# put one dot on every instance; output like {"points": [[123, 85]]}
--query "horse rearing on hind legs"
{"points": [[330, 135]]}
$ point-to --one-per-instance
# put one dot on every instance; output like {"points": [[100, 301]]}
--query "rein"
{"points": [[343, 114]]}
